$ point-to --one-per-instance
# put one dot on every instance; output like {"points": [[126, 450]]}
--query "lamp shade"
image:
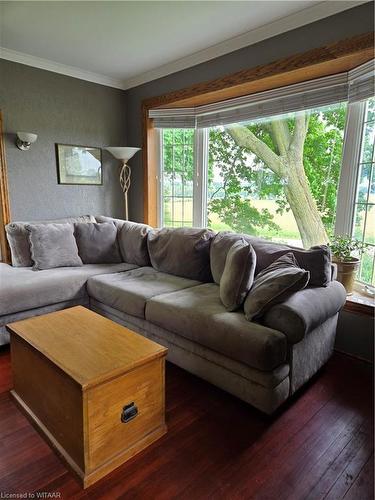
{"points": [[27, 137], [122, 153]]}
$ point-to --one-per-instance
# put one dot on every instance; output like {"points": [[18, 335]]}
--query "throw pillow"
{"points": [[97, 243], [238, 275], [53, 245], [133, 243], [18, 237], [274, 284]]}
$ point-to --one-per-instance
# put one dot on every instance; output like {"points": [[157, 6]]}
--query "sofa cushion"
{"points": [[197, 314], [53, 245], [303, 311], [132, 238], [183, 252], [97, 243], [104, 218], [128, 292], [316, 260], [18, 237], [238, 275], [22, 288], [274, 284], [220, 246]]}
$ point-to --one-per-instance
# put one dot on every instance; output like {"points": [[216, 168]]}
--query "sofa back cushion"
{"points": [[220, 246], [183, 252], [104, 218], [53, 245], [18, 237], [316, 260], [97, 243], [132, 238], [238, 275]]}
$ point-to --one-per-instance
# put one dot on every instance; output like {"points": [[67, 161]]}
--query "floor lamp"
{"points": [[124, 154]]}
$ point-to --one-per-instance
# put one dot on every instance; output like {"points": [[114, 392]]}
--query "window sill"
{"points": [[359, 302]]}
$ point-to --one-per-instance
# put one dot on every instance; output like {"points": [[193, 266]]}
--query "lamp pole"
{"points": [[125, 176], [124, 154]]}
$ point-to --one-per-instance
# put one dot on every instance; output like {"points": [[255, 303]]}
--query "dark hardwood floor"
{"points": [[320, 445]]}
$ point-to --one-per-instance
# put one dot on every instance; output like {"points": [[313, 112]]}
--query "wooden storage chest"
{"points": [[92, 387]]}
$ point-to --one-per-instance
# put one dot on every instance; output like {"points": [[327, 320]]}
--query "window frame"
{"points": [[5, 216]]}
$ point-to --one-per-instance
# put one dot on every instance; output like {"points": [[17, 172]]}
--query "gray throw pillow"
{"points": [[53, 245], [183, 252], [238, 275], [274, 284], [220, 246], [132, 239], [97, 243], [18, 237]]}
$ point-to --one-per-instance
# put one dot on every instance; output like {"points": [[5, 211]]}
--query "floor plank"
{"points": [[319, 445]]}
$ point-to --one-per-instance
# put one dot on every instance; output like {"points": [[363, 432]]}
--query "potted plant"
{"points": [[347, 265]]}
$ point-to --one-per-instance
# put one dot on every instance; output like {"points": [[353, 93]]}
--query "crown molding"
{"points": [[306, 16], [62, 69]]}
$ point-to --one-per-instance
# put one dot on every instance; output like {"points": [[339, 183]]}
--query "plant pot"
{"points": [[346, 273]]}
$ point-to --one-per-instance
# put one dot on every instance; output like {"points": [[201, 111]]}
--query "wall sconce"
{"points": [[24, 140], [124, 154]]}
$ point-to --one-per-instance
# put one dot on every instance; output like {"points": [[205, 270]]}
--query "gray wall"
{"points": [[66, 110], [344, 25], [355, 335]]}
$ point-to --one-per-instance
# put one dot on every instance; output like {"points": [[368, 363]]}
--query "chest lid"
{"points": [[89, 348]]}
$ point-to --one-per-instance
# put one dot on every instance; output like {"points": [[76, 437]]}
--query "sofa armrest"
{"points": [[305, 310]]}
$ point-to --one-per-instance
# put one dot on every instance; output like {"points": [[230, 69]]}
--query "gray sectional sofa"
{"points": [[167, 288]]}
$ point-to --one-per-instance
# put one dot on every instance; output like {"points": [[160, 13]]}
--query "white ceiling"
{"points": [[123, 44]]}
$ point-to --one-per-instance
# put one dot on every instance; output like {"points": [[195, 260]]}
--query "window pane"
{"points": [[370, 225], [277, 178], [368, 142], [177, 170], [359, 221], [367, 273], [363, 182], [372, 186], [370, 113]]}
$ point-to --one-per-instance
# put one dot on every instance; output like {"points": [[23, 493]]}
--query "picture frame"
{"points": [[80, 165]]}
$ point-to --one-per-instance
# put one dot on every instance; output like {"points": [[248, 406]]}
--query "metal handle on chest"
{"points": [[129, 412]]}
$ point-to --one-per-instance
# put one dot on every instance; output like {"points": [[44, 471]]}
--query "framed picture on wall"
{"points": [[79, 164]]}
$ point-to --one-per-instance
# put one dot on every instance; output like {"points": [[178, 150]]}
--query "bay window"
{"points": [[293, 165]]}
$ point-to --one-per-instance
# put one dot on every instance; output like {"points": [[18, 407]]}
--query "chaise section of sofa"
{"points": [[25, 293]]}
